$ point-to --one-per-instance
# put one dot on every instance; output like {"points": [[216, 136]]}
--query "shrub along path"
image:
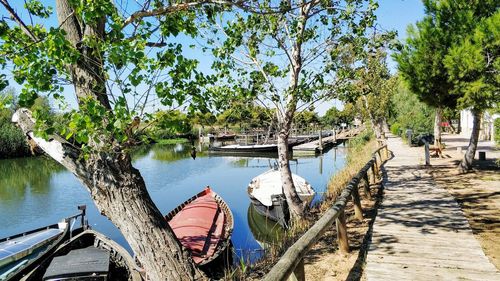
{"points": [[420, 232]]}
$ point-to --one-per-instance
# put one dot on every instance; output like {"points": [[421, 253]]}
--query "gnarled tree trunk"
{"points": [[119, 192], [466, 163]]}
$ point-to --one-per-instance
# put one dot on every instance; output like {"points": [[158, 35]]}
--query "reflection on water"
{"points": [[264, 230], [23, 175], [37, 191]]}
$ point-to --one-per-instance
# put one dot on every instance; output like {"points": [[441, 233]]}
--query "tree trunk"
{"points": [[385, 125], [295, 205], [120, 194], [466, 163], [452, 128], [377, 125], [437, 126]]}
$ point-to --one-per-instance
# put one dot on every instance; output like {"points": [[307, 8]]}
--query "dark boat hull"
{"points": [[122, 265], [278, 212], [244, 150]]}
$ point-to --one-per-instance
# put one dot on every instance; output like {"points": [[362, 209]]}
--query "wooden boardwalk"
{"points": [[316, 147], [420, 232]]}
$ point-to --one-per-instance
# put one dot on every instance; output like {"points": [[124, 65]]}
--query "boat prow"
{"points": [[203, 224]]}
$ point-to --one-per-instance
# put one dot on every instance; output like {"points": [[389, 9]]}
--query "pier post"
{"points": [[427, 155], [342, 233], [320, 141], [321, 164]]}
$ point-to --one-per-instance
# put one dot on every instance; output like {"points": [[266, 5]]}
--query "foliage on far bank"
{"points": [[12, 140]]}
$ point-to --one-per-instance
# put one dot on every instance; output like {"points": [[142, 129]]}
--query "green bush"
{"points": [[361, 139], [497, 130], [12, 140], [396, 129]]}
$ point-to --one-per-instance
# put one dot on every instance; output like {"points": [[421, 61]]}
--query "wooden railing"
{"points": [[291, 264]]}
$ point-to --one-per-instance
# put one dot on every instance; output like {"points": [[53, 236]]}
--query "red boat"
{"points": [[203, 224]]}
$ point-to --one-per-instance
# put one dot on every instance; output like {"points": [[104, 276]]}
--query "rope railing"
{"points": [[291, 264]]}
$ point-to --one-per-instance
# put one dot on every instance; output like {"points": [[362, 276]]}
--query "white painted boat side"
{"points": [[268, 184]]}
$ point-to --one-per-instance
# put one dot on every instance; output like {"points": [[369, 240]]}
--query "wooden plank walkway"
{"points": [[314, 146], [420, 232]]}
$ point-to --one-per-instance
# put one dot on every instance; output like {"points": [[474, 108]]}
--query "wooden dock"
{"points": [[318, 145], [420, 232]]}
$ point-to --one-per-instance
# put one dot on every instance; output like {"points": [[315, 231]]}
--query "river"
{"points": [[37, 191]]}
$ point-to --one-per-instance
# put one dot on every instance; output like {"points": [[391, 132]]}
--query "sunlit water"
{"points": [[37, 191]]}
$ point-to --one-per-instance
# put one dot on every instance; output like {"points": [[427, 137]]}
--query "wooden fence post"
{"points": [[358, 210], [342, 233], [374, 173], [299, 273], [366, 186]]}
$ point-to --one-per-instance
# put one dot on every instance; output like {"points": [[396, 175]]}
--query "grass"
{"points": [[172, 141], [360, 152]]}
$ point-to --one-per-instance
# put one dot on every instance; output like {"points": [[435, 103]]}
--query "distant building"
{"points": [[487, 129]]}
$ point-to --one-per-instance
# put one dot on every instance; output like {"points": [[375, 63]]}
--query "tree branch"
{"points": [[56, 147], [137, 16], [22, 25]]}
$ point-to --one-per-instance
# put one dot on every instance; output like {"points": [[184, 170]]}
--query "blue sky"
{"points": [[391, 15]]}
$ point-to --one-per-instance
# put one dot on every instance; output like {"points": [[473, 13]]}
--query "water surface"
{"points": [[38, 191]]}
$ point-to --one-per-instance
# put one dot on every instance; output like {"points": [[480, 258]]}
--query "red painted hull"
{"points": [[203, 225]]}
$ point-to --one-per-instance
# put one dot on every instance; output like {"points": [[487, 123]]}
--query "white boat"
{"points": [[266, 193]]}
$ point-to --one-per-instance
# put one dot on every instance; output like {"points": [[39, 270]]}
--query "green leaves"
{"points": [[422, 61], [474, 65], [36, 8]]}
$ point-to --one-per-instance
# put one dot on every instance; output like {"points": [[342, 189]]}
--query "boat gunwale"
{"points": [[229, 223], [51, 248]]}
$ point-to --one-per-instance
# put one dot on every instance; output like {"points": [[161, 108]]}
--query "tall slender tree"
{"points": [[289, 60], [422, 61], [374, 87]]}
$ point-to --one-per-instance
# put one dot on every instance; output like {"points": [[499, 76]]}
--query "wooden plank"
{"points": [[420, 232], [389, 272], [423, 261]]}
